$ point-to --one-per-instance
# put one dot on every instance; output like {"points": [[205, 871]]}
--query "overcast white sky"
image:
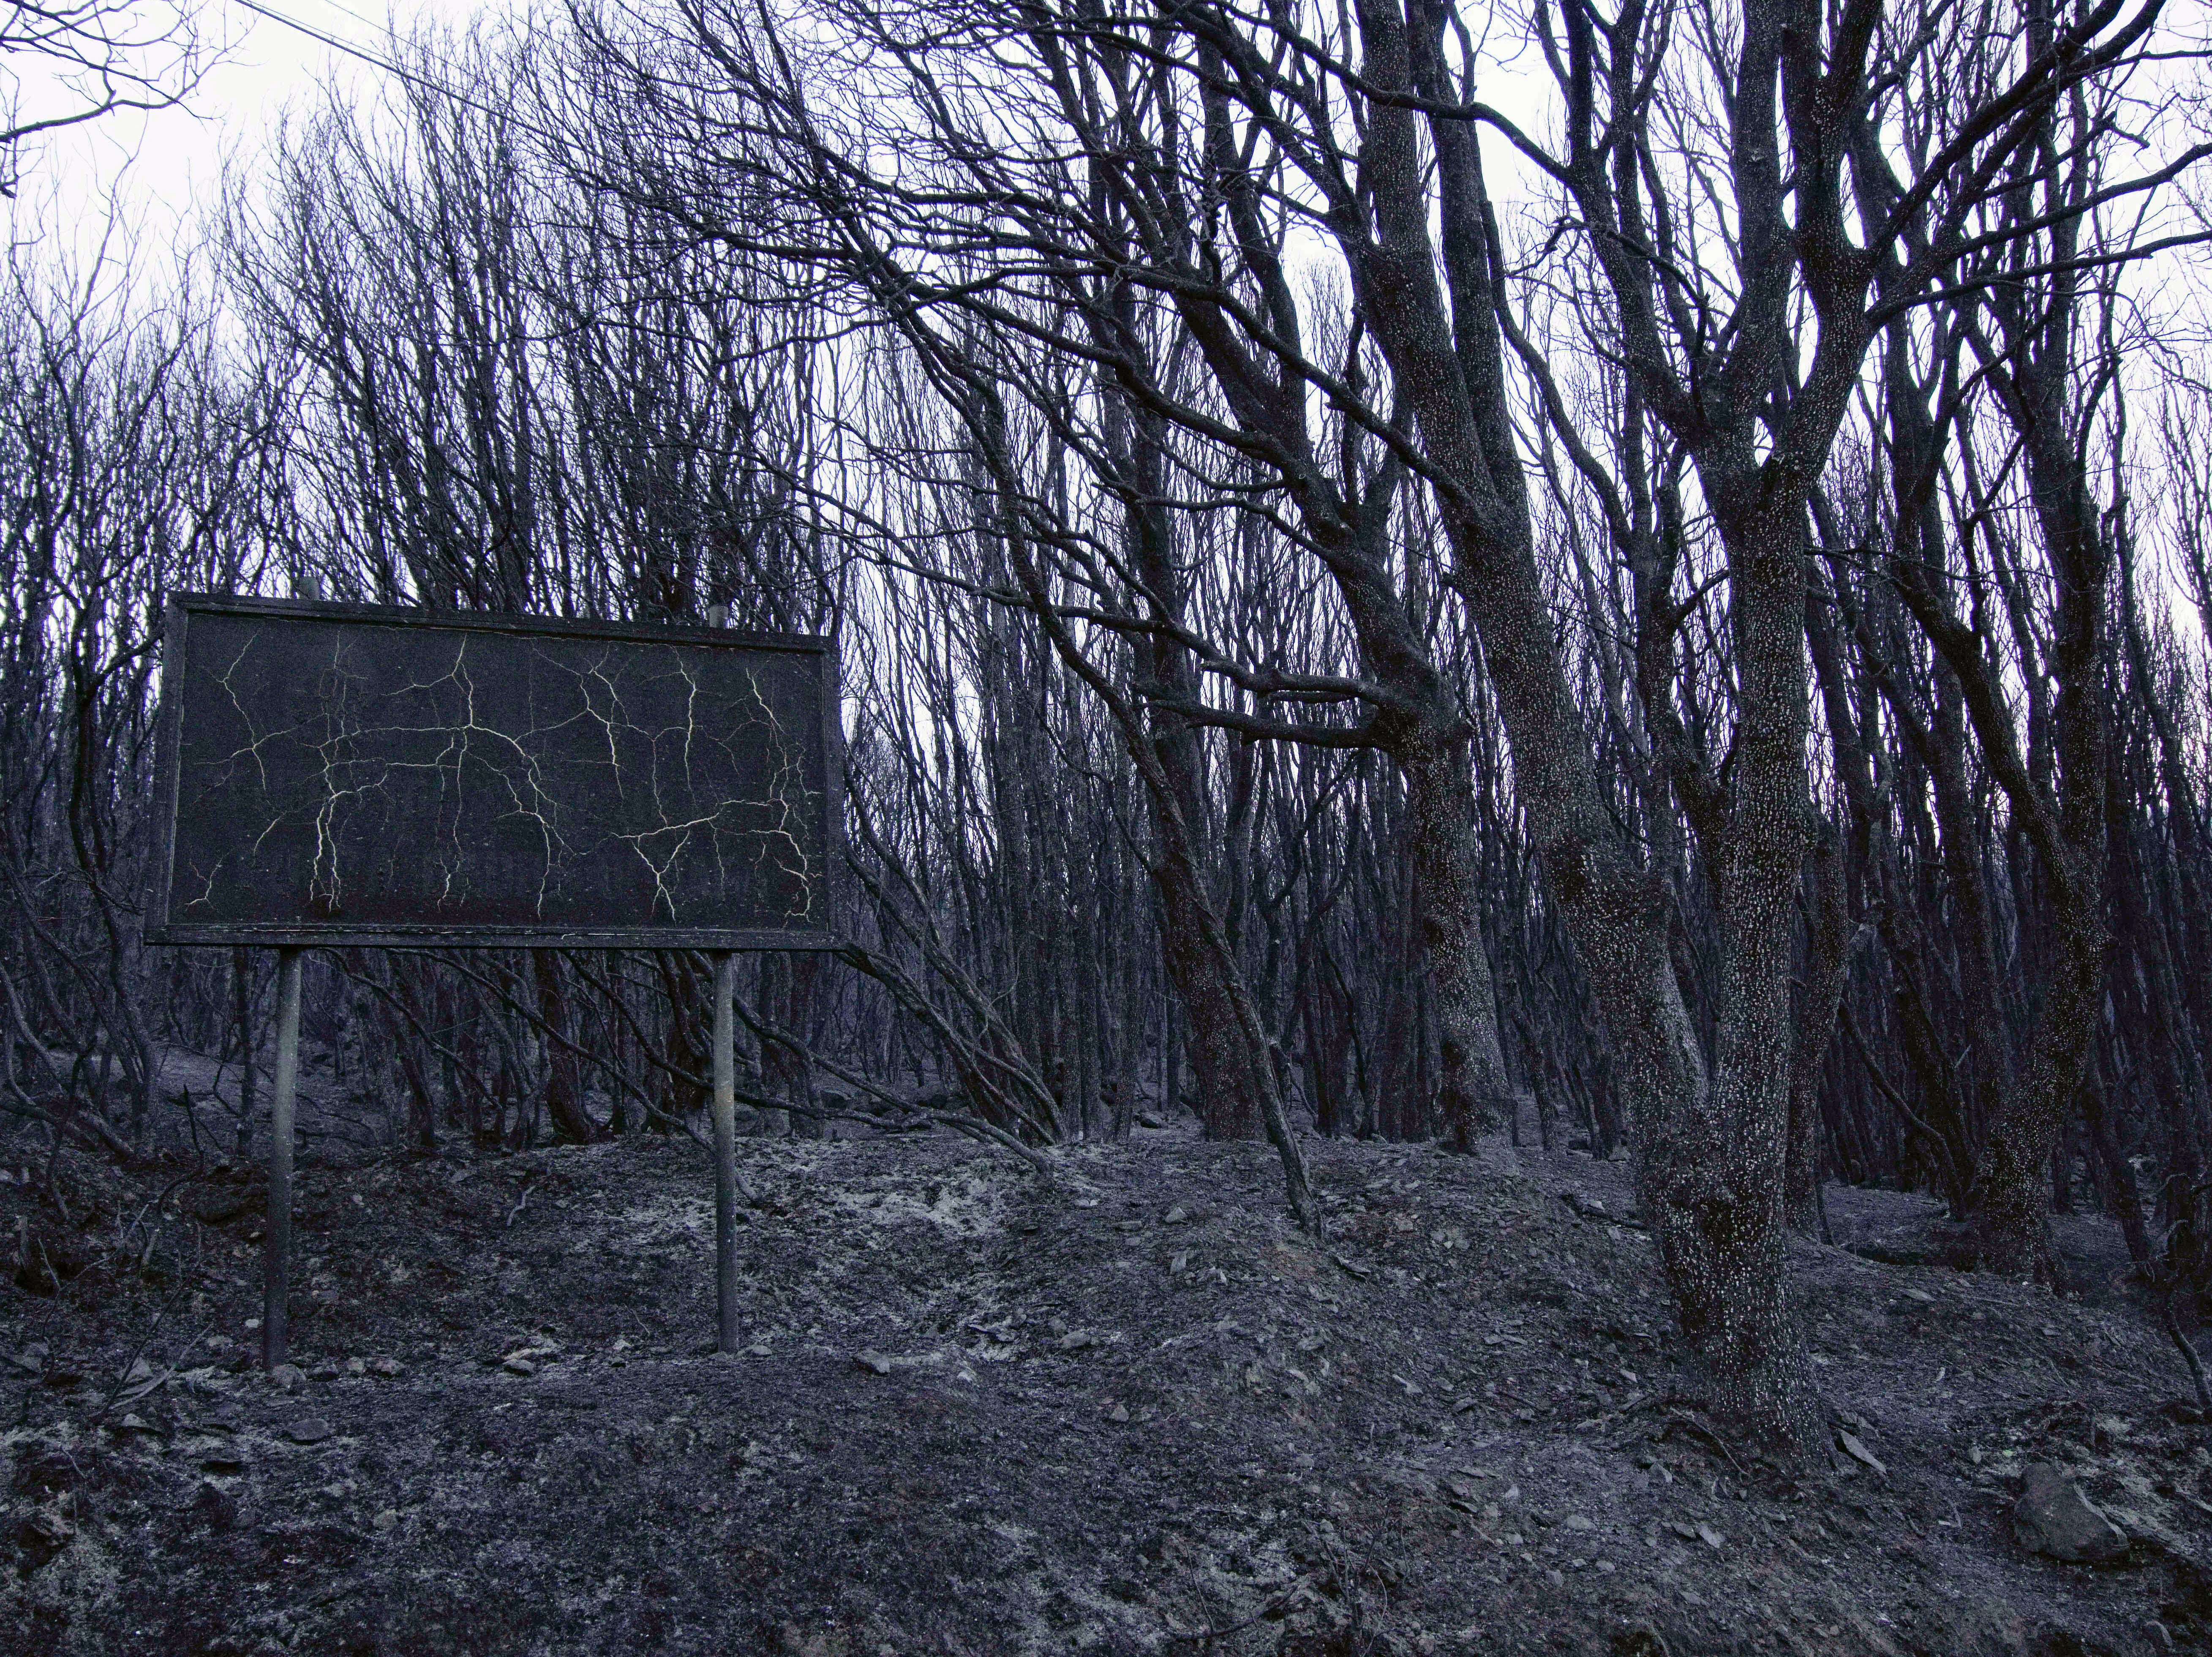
{"points": [[154, 167]]}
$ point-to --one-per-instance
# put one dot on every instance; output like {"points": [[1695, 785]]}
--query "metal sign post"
{"points": [[726, 1154], [277, 1250]]}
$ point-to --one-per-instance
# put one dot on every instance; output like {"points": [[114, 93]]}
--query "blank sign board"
{"points": [[345, 773]]}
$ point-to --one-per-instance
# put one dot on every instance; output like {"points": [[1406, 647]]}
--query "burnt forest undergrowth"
{"points": [[1125, 1408], [1605, 588]]}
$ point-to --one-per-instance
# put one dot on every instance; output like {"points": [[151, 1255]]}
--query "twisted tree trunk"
{"points": [[1474, 1091]]}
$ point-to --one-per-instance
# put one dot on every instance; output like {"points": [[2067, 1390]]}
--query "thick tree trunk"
{"points": [[1474, 1091], [1227, 1042], [1229, 1045], [1711, 1150], [1717, 1170], [1988, 1037], [2059, 797], [1230, 1082], [2012, 1185], [1227, 1062], [1828, 948]]}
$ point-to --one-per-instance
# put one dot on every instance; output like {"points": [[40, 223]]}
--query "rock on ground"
{"points": [[2053, 1517]]}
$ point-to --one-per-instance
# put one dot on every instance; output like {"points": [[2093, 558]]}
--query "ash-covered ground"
{"points": [[1128, 1410]]}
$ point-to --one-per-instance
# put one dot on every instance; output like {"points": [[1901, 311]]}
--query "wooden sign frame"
{"points": [[169, 927]]}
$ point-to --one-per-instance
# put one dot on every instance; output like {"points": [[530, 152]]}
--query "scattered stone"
{"points": [[217, 1506], [1920, 1294], [1175, 1216], [133, 1423], [309, 1429], [139, 1370], [2053, 1517], [1146, 1119], [1075, 1340], [1855, 1448], [356, 1367], [1576, 1522], [384, 1366], [876, 1363], [387, 1520], [287, 1378], [1354, 1268], [324, 1372], [223, 1461], [32, 1359], [1119, 1412], [531, 1354]]}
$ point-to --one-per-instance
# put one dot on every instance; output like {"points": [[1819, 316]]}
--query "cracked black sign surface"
{"points": [[347, 773]]}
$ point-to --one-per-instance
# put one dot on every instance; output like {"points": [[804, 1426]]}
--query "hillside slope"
{"points": [[1126, 1411]]}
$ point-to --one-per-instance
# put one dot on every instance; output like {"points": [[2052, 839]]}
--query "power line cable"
{"points": [[390, 68]]}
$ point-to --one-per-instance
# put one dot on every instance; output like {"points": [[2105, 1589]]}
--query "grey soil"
{"points": [[1129, 1411]]}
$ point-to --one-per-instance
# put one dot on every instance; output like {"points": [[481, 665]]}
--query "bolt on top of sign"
{"points": [[343, 773]]}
